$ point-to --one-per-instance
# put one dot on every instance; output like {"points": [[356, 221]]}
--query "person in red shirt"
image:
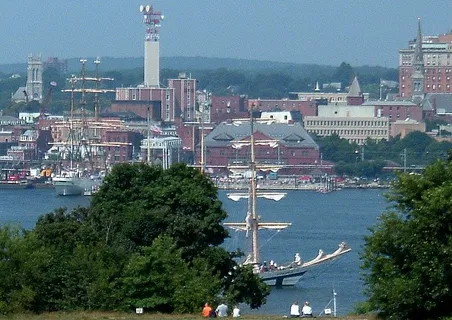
{"points": [[206, 310]]}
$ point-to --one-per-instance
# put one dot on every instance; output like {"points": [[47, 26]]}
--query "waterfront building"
{"points": [[292, 146]]}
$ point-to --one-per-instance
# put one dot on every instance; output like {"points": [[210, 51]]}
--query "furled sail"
{"points": [[242, 226], [276, 196]]}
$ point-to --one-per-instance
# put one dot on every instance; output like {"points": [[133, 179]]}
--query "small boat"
{"points": [[283, 275]]}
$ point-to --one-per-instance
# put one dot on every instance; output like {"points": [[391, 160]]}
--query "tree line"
{"points": [[261, 83], [150, 239]]}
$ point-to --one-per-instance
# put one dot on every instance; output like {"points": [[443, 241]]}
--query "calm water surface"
{"points": [[319, 221]]}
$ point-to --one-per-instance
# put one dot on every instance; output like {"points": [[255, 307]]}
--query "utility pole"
{"points": [[201, 118], [362, 153], [404, 160], [334, 303]]}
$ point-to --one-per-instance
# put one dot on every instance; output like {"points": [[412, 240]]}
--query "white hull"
{"points": [[74, 186]]}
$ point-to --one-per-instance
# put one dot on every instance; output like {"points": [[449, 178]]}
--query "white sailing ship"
{"points": [[281, 275]]}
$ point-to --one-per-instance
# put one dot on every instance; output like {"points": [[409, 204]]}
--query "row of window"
{"points": [[293, 153], [328, 132], [348, 123]]}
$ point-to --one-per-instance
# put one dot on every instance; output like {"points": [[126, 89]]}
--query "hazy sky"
{"points": [[302, 31]]}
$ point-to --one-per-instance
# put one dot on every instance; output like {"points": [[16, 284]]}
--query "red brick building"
{"points": [[292, 146], [430, 58], [306, 108], [184, 97], [120, 144], [396, 110], [138, 99], [225, 108], [140, 108]]}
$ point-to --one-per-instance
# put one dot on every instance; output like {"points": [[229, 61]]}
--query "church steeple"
{"points": [[417, 78]]}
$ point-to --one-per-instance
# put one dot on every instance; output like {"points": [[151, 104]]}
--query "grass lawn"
{"points": [[130, 316]]}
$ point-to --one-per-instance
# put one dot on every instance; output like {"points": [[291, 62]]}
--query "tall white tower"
{"points": [[151, 20]]}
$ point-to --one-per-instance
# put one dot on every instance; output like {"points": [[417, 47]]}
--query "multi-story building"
{"points": [[353, 123], [184, 97], [425, 66]]}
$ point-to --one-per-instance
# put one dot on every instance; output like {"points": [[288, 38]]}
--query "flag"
{"points": [[156, 129]]}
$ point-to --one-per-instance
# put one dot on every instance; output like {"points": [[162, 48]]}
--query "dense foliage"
{"points": [[150, 239], [408, 256]]}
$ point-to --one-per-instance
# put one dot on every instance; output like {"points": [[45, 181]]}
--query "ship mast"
{"points": [[254, 218]]}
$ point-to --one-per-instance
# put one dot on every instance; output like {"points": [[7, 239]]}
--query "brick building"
{"points": [[306, 108], [425, 66], [138, 99], [396, 110], [292, 147], [184, 97], [225, 108]]}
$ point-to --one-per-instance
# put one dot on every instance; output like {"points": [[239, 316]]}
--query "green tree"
{"points": [[407, 256], [137, 203], [159, 279], [344, 74]]}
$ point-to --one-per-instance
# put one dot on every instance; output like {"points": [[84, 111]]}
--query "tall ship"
{"points": [[275, 275], [81, 155]]}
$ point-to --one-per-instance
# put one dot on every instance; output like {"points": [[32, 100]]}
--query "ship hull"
{"points": [[67, 189], [285, 279], [74, 186]]}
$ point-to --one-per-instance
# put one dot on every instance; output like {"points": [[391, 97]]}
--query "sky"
{"points": [[326, 32]]}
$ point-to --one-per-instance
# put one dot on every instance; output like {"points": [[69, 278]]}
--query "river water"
{"points": [[319, 221]]}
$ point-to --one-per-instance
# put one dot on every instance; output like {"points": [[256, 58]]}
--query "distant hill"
{"points": [[200, 63]]}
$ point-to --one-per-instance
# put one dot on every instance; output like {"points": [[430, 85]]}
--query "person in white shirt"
{"points": [[307, 310], [294, 310], [236, 312], [222, 310]]}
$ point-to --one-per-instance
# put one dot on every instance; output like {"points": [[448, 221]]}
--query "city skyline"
{"points": [[327, 33]]}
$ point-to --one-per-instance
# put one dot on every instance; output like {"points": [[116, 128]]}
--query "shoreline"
{"points": [[300, 187]]}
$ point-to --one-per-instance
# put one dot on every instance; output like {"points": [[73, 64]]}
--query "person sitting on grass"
{"points": [[206, 310], [295, 310], [307, 310]]}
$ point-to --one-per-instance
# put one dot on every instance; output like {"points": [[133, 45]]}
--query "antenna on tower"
{"points": [[151, 20]]}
